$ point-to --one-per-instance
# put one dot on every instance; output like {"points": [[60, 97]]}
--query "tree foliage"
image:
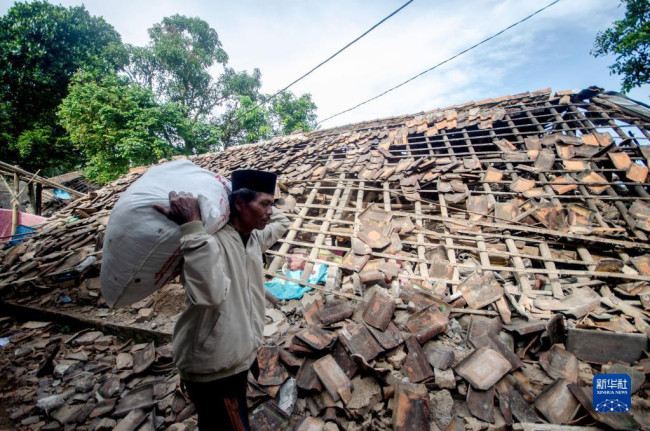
{"points": [[629, 40], [126, 105], [176, 63], [290, 113], [246, 121], [116, 123], [41, 47]]}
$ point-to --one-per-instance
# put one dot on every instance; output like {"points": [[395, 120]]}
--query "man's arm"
{"points": [[206, 282], [274, 230]]}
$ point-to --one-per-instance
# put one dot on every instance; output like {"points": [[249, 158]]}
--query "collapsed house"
{"points": [[484, 262], [25, 197], [54, 200]]}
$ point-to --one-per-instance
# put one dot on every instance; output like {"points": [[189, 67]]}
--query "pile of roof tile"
{"points": [[87, 380], [413, 362], [485, 261]]}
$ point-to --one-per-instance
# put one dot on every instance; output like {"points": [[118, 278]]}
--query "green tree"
{"points": [[41, 47], [290, 113], [247, 121], [177, 66], [629, 40], [117, 124], [240, 94], [176, 63], [252, 122]]}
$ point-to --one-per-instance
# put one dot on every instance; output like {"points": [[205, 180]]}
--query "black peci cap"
{"points": [[259, 181]]}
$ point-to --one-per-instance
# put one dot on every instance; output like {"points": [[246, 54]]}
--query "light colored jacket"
{"points": [[221, 329]]}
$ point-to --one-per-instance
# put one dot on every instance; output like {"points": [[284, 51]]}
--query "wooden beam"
{"points": [[15, 205], [38, 199], [39, 179]]}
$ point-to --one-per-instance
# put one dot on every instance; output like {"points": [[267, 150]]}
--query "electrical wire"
{"points": [[442, 62], [332, 56]]}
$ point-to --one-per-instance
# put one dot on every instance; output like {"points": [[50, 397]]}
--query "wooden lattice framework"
{"points": [[398, 164]]}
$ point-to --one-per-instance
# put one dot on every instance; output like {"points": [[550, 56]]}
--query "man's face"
{"points": [[256, 214]]}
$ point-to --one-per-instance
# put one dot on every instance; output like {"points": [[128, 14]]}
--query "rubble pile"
{"points": [[376, 362], [484, 262], [414, 362], [87, 381]]}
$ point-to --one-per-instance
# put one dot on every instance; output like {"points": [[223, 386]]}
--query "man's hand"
{"points": [[183, 208]]}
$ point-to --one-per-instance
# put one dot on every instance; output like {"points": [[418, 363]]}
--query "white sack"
{"points": [[142, 246]]}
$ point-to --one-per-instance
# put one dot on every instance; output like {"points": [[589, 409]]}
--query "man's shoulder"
{"points": [[226, 233]]}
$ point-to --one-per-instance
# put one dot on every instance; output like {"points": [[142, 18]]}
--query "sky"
{"points": [[286, 38]]}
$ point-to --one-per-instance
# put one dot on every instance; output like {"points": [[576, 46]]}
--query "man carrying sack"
{"points": [[216, 338]]}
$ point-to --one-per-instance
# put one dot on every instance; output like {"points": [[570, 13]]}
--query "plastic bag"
{"points": [[142, 246], [287, 289]]}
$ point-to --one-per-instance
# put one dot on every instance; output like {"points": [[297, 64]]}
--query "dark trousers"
{"points": [[220, 404]]}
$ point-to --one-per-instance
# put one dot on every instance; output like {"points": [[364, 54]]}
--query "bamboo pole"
{"points": [[14, 205]]}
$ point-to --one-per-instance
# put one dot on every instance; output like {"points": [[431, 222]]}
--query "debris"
{"points": [[559, 363], [556, 403], [638, 377], [50, 403], [141, 397], [359, 341], [287, 396], [143, 358], [481, 403], [578, 304], [379, 311], [411, 408], [439, 357], [441, 404], [335, 313], [333, 378], [480, 291], [483, 368], [482, 332], [442, 252], [602, 346], [144, 314], [427, 323], [416, 365], [311, 424], [444, 378], [365, 395], [268, 417], [132, 421], [616, 420], [306, 378], [271, 371], [388, 339]]}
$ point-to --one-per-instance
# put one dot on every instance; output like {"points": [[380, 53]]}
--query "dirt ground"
{"points": [[167, 303]]}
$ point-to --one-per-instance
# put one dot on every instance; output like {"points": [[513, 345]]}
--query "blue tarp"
{"points": [[20, 235], [61, 194], [285, 289]]}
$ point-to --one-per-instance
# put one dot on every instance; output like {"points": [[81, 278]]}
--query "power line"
{"points": [[344, 48], [443, 62], [332, 56]]}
